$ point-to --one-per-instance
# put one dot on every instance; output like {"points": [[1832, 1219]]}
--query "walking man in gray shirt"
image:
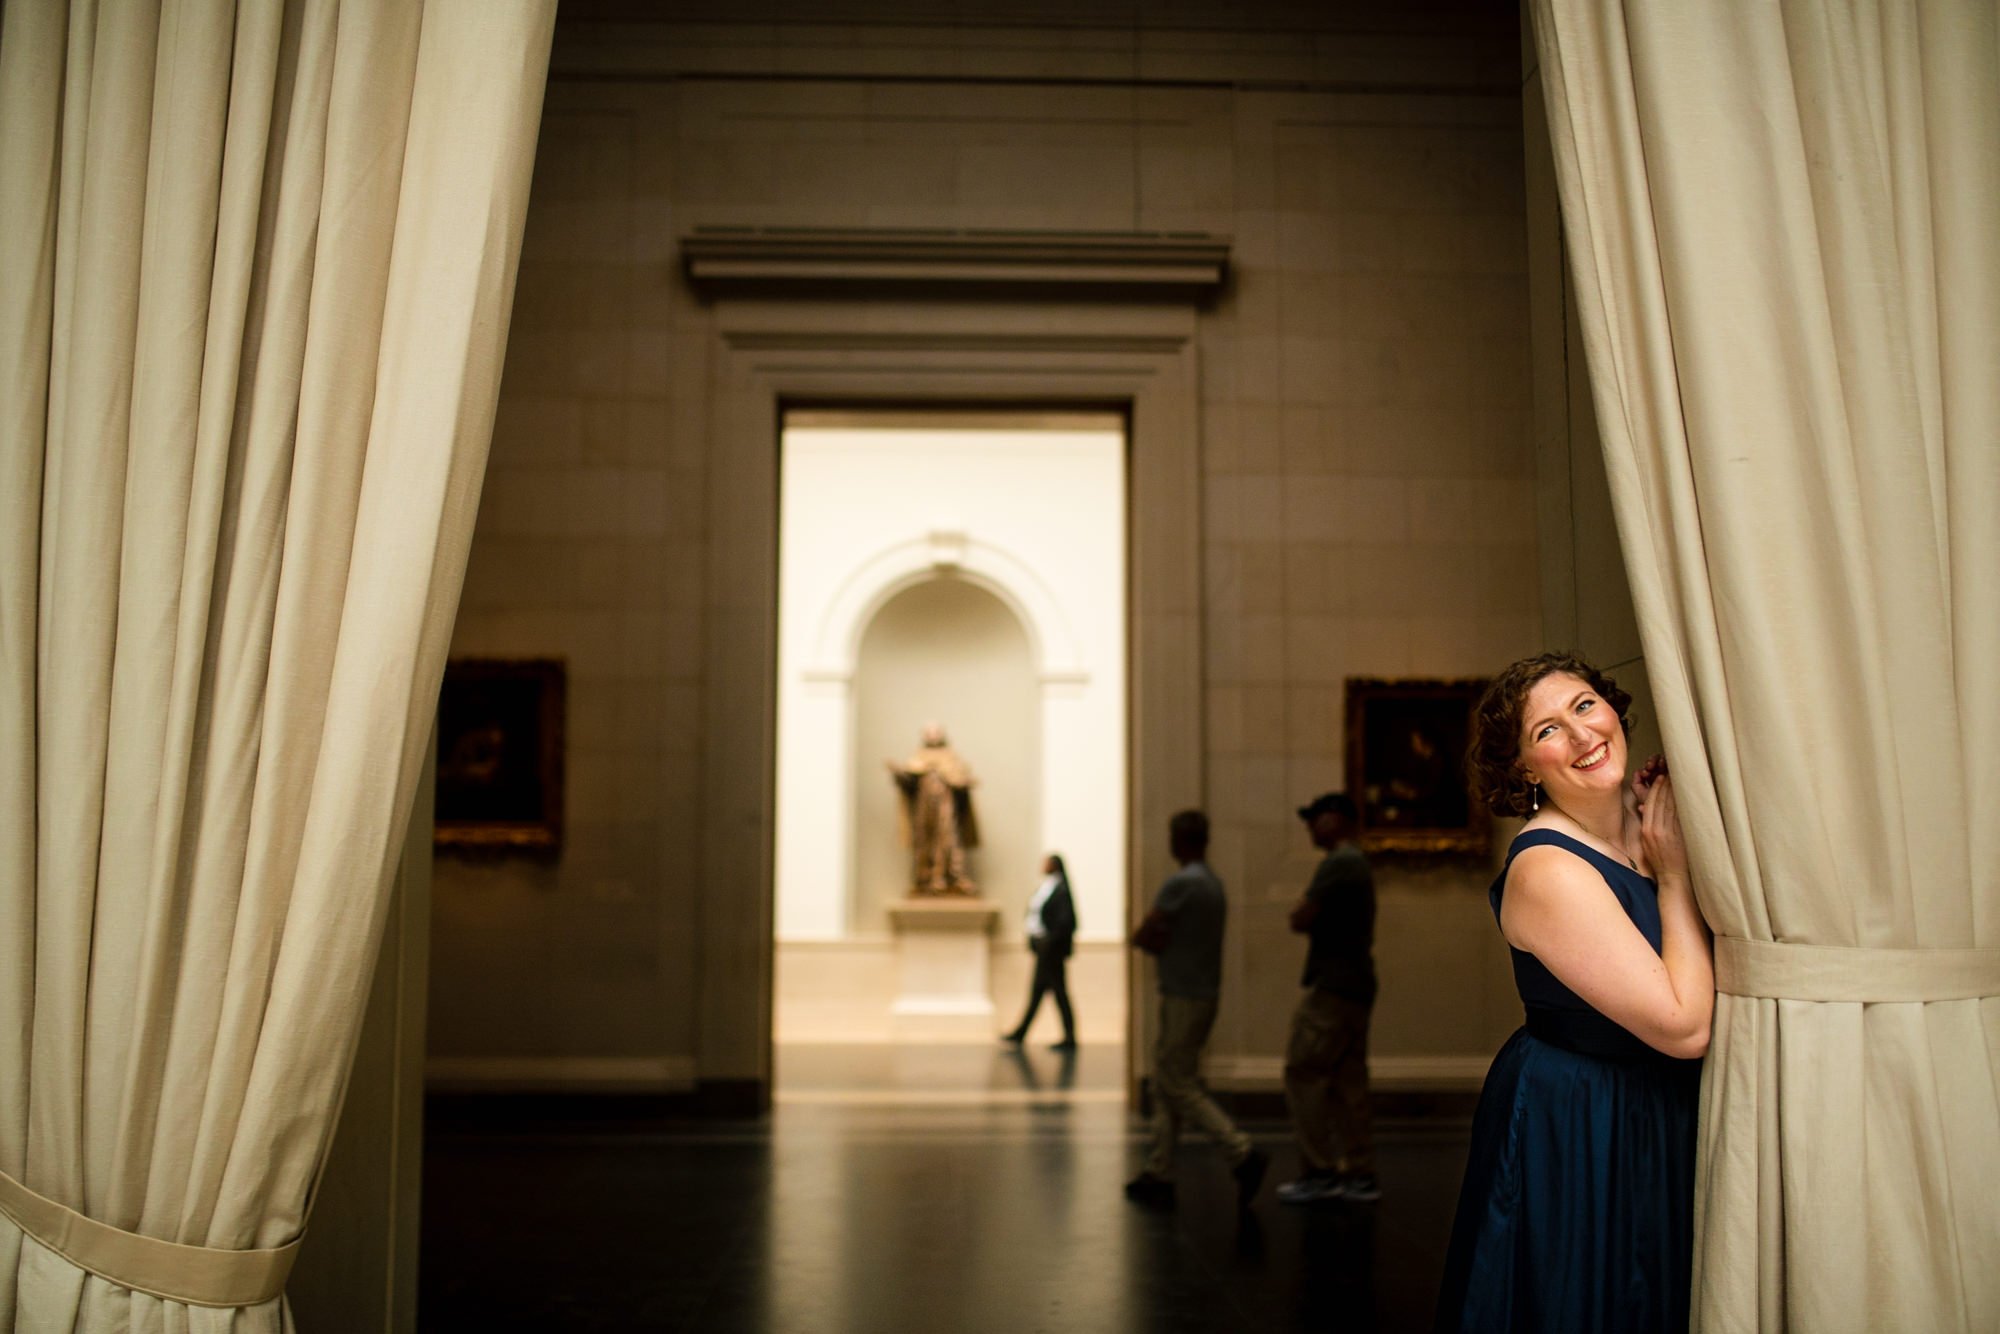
{"points": [[1184, 932]]}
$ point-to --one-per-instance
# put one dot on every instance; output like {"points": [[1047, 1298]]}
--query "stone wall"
{"points": [[1368, 500]]}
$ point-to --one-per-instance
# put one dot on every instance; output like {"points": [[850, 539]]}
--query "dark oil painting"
{"points": [[1406, 743], [500, 752]]}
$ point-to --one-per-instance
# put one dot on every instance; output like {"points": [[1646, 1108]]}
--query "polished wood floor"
{"points": [[912, 1189]]}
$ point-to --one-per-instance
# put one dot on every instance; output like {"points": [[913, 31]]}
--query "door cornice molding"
{"points": [[1186, 266]]}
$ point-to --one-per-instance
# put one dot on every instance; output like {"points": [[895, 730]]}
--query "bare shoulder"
{"points": [[1550, 887], [1548, 868]]}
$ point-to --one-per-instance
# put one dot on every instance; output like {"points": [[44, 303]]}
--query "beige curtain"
{"points": [[1783, 219], [254, 287]]}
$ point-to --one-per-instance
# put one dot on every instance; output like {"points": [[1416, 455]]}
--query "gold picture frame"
{"points": [[500, 755], [1406, 743]]}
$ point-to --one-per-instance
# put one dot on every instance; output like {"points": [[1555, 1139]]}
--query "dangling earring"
{"points": [[1535, 795]]}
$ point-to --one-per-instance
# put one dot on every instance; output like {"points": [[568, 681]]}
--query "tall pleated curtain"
{"points": [[257, 266], [1783, 219]]}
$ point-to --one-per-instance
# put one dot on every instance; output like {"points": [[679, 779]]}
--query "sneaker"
{"points": [[1249, 1175], [1312, 1188], [1361, 1188], [1153, 1191]]}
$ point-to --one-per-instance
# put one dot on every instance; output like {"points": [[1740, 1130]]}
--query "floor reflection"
{"points": [[963, 1073], [913, 1189], [1032, 1080]]}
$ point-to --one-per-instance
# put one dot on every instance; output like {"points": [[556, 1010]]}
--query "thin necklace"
{"points": [[1623, 855]]}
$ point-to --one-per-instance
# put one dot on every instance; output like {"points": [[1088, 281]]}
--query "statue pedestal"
{"points": [[943, 955]]}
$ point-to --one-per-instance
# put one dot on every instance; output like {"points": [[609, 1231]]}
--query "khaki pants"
{"points": [[1326, 1083], [1177, 1092]]}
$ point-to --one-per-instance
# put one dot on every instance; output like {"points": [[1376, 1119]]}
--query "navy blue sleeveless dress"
{"points": [[1577, 1208]]}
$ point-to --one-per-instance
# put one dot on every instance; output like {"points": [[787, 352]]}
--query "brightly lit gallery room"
{"points": [[952, 602]]}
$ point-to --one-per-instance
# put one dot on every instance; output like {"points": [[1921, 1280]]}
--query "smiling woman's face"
{"points": [[1571, 740]]}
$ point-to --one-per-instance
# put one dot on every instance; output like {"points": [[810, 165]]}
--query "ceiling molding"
{"points": [[1188, 266]]}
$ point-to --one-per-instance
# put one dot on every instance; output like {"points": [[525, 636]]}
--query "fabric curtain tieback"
{"points": [[1775, 971], [195, 1275]]}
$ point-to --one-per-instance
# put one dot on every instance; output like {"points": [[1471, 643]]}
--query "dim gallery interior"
{"points": [[563, 575]]}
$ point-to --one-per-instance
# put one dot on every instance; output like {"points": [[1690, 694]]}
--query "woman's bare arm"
{"points": [[1558, 908]]}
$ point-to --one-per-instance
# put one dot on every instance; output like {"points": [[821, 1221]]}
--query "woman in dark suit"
{"points": [[1052, 935]]}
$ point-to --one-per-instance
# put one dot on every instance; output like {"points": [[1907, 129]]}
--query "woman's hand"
{"points": [[1635, 789], [1646, 775], [1660, 826]]}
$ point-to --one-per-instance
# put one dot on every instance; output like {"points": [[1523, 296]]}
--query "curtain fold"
{"points": [[252, 310], [1781, 221]]}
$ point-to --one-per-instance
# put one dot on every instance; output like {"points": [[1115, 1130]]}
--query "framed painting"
{"points": [[500, 754], [1406, 742]]}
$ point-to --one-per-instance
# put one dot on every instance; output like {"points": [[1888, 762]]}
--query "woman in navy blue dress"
{"points": [[1576, 1213]]}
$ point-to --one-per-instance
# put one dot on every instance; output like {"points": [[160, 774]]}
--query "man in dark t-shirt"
{"points": [[1326, 1057]]}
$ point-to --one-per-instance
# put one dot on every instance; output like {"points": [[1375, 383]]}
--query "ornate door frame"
{"points": [[872, 348]]}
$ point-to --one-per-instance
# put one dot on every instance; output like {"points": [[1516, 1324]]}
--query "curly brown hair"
{"points": [[1493, 760]]}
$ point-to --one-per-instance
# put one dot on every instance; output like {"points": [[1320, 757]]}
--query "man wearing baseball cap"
{"points": [[1326, 1057]]}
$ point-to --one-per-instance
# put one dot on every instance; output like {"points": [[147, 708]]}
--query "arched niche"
{"points": [[835, 816], [945, 649], [904, 565]]}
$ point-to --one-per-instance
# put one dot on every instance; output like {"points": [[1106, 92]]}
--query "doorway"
{"points": [[965, 569], [772, 358]]}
